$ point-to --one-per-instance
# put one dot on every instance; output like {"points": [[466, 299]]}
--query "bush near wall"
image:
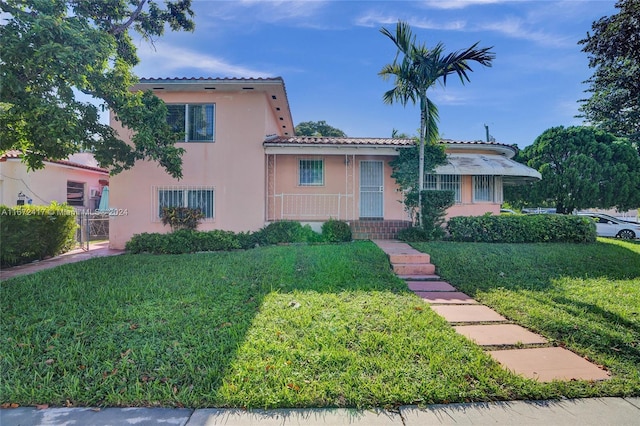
{"points": [[31, 233], [522, 229], [190, 241]]}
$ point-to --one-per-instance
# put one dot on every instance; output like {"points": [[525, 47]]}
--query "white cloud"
{"points": [[373, 19], [458, 4], [171, 59], [516, 28], [268, 11]]}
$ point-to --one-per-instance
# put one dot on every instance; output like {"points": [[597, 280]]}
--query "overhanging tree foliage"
{"points": [[52, 49], [318, 128], [614, 53], [581, 167]]}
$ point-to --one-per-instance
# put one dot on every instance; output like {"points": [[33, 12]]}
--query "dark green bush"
{"points": [[434, 209], [191, 241], [336, 231], [414, 234], [522, 229], [183, 241], [287, 231], [32, 233]]}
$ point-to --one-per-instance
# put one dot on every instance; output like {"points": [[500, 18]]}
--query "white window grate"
{"points": [[483, 189], [200, 197], [311, 172], [444, 183]]}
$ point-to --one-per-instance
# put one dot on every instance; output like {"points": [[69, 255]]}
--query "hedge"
{"points": [[191, 241], [31, 233], [522, 229]]}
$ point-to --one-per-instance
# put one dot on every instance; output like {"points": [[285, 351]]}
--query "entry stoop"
{"points": [[377, 229]]}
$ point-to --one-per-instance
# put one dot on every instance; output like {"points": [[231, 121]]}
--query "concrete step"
{"points": [[446, 298], [414, 268], [418, 286], [409, 258], [419, 277], [548, 364]]}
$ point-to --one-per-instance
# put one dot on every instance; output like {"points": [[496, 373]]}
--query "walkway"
{"points": [[584, 412], [99, 249], [515, 347]]}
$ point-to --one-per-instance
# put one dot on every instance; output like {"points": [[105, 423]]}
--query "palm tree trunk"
{"points": [[423, 130]]}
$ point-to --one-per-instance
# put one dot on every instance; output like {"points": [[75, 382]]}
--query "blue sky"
{"points": [[330, 52]]}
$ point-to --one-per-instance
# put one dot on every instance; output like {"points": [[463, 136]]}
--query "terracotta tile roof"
{"points": [[317, 140], [17, 154], [203, 79]]}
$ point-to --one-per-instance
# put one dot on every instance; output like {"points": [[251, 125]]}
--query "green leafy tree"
{"points": [[50, 50], [614, 52], [318, 128], [415, 70], [581, 167]]}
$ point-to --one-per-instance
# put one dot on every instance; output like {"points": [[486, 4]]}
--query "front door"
{"points": [[371, 189]]}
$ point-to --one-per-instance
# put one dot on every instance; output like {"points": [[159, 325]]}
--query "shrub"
{"points": [[34, 232], [181, 217], [434, 208], [414, 234], [522, 229], [183, 241], [336, 231], [287, 231]]}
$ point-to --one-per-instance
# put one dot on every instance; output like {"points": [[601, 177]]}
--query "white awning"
{"points": [[494, 165]]}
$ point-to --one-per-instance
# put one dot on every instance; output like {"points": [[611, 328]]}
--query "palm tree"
{"points": [[416, 69]]}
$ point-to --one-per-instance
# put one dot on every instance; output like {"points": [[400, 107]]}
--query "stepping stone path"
{"points": [[514, 347]]}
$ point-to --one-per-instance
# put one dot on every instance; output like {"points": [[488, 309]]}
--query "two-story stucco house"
{"points": [[244, 167]]}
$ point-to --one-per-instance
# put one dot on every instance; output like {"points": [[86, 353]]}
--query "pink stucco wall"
{"points": [[233, 165], [45, 185], [342, 177]]}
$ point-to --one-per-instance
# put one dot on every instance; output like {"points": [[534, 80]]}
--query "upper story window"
{"points": [[196, 122], [444, 183], [311, 172]]}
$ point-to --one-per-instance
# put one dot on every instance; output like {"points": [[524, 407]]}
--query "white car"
{"points": [[609, 226]]}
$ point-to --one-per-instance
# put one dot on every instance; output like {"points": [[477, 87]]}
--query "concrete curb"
{"points": [[589, 411]]}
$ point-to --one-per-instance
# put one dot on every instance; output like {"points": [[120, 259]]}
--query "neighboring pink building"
{"points": [[244, 167], [77, 181]]}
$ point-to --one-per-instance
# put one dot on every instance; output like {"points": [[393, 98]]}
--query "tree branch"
{"points": [[117, 29]]}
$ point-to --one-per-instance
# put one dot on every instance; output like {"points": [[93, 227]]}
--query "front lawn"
{"points": [[284, 326], [584, 297]]}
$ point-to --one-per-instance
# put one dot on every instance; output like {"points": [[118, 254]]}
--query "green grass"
{"points": [[285, 326], [584, 297]]}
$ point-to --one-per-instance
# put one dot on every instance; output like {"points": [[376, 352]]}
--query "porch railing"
{"points": [[312, 206]]}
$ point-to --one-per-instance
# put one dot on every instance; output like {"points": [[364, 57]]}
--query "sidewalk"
{"points": [[99, 249], [592, 411]]}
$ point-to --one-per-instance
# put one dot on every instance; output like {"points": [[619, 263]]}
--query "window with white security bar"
{"points": [[193, 122], [444, 183], [194, 197], [487, 189], [311, 172]]}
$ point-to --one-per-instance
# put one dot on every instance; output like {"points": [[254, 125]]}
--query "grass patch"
{"points": [[584, 297], [283, 326]]}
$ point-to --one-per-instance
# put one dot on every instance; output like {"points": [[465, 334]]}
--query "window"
{"points": [[194, 122], [444, 183], [483, 188], [311, 173], [193, 197], [75, 193]]}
